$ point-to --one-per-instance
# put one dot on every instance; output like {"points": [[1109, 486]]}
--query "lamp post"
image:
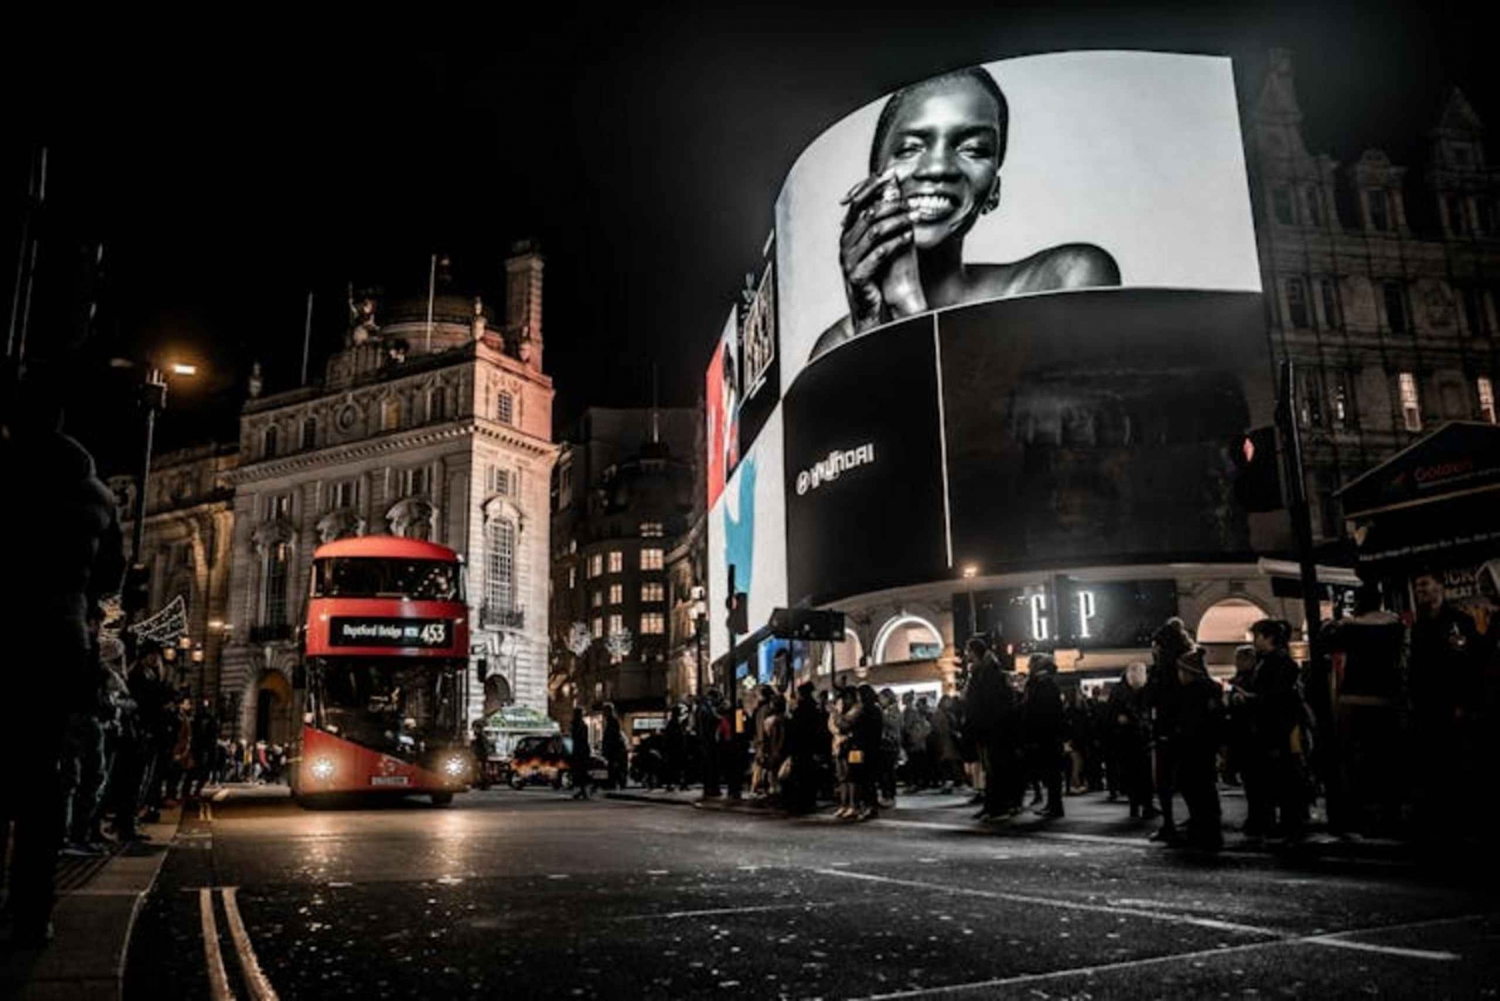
{"points": [[970, 572], [154, 400]]}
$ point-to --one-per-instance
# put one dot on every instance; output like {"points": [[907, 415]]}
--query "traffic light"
{"points": [[1257, 470], [738, 604]]}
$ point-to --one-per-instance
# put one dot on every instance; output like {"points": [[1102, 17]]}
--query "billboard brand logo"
{"points": [[834, 466]]}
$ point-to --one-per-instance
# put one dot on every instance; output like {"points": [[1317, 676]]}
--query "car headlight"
{"points": [[454, 767], [321, 768]]}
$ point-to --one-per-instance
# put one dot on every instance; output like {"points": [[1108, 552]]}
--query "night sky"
{"points": [[643, 148]]}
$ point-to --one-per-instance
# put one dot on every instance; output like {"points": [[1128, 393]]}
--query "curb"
{"points": [[93, 924]]}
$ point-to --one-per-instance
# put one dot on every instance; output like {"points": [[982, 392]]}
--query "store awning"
{"points": [[1461, 457]]}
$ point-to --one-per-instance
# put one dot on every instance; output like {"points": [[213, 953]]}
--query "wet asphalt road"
{"points": [[530, 895]]}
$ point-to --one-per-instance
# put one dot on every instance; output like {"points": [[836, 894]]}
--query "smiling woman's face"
{"points": [[945, 147]]}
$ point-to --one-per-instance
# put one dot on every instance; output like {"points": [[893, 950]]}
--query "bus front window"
{"points": [[400, 709]]}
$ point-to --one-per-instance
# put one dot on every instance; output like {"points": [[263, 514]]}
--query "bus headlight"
{"points": [[455, 766], [321, 768]]}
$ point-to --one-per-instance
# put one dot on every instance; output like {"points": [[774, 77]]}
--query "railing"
{"points": [[270, 632], [502, 618]]}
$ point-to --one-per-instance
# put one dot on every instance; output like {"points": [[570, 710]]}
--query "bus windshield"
{"points": [[371, 577], [401, 708]]}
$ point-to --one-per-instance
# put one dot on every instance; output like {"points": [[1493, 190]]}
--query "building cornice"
{"points": [[387, 443]]}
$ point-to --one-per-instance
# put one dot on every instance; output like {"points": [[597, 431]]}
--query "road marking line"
{"points": [[1070, 905], [1389, 950], [218, 978], [715, 911], [656, 872], [260, 988], [1127, 964]]}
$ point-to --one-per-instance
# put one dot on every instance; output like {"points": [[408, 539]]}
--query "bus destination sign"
{"points": [[422, 633]]}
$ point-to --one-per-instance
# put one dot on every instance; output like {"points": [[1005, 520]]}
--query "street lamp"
{"points": [[971, 570], [154, 399]]}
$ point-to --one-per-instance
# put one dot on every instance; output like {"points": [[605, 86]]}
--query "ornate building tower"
{"points": [[435, 422]]}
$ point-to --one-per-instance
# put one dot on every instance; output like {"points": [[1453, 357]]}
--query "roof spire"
{"points": [[655, 413]]}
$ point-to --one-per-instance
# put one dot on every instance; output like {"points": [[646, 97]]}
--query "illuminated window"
{"points": [[1395, 306], [273, 603], [500, 565], [1486, 399], [1411, 408], [653, 592], [652, 559], [596, 565], [616, 561], [596, 625], [651, 530], [572, 578], [1281, 205], [505, 408], [616, 593], [1380, 215], [1296, 302], [1333, 314], [390, 414], [653, 624], [309, 433], [616, 624]]}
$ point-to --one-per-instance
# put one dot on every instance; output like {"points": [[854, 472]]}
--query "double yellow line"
{"points": [[218, 978]]}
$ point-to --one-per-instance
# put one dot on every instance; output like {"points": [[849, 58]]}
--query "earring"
{"points": [[992, 203]]}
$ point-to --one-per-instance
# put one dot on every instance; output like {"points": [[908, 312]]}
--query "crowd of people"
{"points": [[1162, 739]]}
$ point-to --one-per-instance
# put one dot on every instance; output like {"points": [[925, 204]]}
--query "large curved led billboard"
{"points": [[1019, 319]]}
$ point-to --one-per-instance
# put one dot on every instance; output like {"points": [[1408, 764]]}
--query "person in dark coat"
{"points": [[673, 748], [1443, 684], [1168, 645], [615, 753], [990, 715], [805, 735], [865, 727], [204, 740], [707, 724], [1274, 787], [1130, 754], [580, 755], [1043, 716], [65, 552], [1196, 720]]}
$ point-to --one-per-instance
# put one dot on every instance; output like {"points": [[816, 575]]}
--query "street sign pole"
{"points": [[1286, 417]]}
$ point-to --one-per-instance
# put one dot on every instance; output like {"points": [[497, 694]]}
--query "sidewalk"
{"points": [[1090, 817], [97, 903]]}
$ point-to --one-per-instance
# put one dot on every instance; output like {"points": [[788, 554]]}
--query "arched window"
{"points": [[1229, 621], [907, 637], [268, 442], [500, 565], [505, 408]]}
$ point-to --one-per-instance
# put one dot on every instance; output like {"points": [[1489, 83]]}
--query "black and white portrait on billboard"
{"points": [[1052, 174], [935, 163]]}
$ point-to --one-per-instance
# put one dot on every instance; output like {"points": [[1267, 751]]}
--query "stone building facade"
{"points": [[186, 545], [441, 431], [1381, 284], [623, 497]]}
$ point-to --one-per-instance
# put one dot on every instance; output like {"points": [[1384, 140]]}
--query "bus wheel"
{"points": [[516, 781], [442, 798]]}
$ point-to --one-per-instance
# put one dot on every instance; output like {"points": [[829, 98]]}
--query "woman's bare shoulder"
{"points": [[1068, 265]]}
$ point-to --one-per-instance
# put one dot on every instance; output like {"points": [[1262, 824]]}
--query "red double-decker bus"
{"points": [[386, 647]]}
